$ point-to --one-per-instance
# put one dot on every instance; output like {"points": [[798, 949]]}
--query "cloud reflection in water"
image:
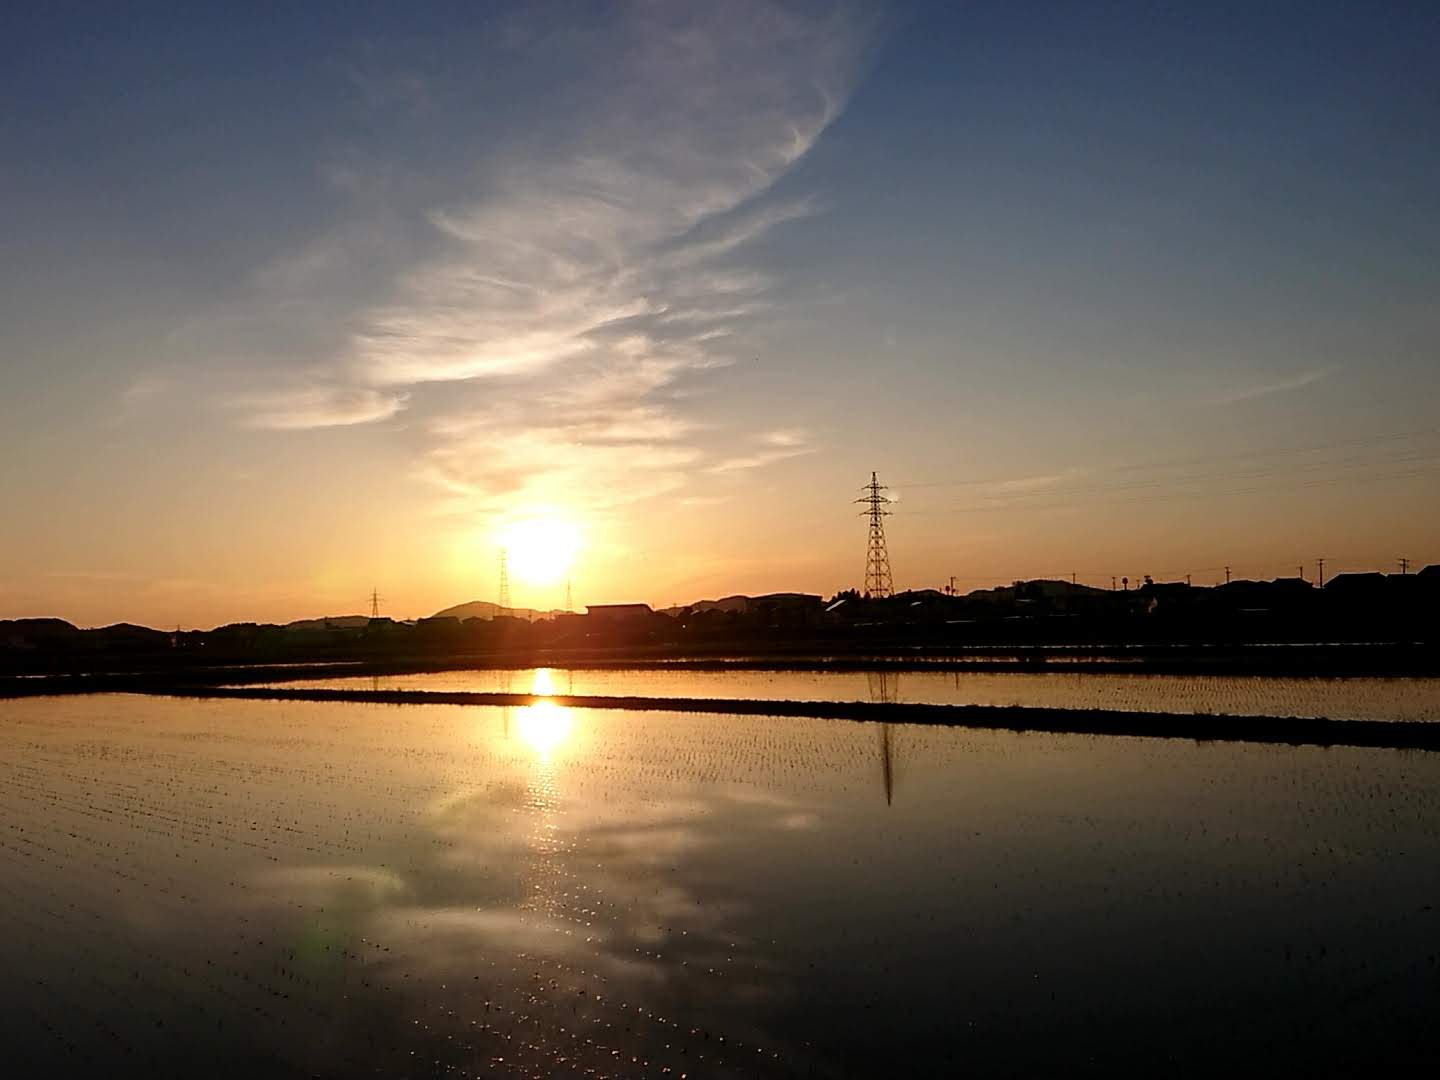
{"points": [[327, 889]]}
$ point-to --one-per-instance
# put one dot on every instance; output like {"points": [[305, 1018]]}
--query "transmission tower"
{"points": [[569, 597], [374, 604], [504, 579], [878, 582]]}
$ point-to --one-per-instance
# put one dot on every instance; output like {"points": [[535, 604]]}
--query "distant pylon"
{"points": [[374, 604], [569, 597], [878, 581], [504, 579]]}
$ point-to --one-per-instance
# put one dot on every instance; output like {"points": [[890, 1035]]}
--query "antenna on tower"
{"points": [[504, 580], [374, 604], [878, 582]]}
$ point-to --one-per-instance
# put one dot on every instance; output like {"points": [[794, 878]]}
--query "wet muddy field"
{"points": [[242, 888]]}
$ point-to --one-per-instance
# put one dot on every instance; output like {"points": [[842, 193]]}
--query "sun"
{"points": [[540, 550]]}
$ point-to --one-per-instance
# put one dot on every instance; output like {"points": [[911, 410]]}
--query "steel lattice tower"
{"points": [[504, 580], [878, 581]]}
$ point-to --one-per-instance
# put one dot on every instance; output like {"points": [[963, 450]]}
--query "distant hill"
{"points": [[40, 626], [33, 633], [740, 604], [725, 603], [331, 622], [1046, 587], [484, 609]]}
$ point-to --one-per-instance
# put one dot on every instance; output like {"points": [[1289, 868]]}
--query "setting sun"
{"points": [[541, 550]]}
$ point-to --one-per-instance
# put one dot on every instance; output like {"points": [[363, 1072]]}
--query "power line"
{"points": [[1258, 571]]}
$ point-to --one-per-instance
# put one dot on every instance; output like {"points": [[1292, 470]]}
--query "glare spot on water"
{"points": [[544, 727]]}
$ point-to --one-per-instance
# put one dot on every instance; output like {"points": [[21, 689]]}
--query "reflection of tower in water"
{"points": [[503, 679], [885, 690], [887, 768], [884, 686]]}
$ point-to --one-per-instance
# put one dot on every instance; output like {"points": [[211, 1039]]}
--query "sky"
{"points": [[301, 301]]}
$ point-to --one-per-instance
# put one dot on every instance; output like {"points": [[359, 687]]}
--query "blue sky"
{"points": [[1105, 288]]}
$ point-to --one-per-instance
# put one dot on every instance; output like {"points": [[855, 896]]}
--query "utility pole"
{"points": [[1072, 577], [878, 581], [1300, 571], [1320, 575], [1187, 581], [1227, 575], [374, 604], [1404, 565], [504, 579], [1112, 582]]}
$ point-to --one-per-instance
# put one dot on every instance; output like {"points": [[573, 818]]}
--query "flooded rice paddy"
{"points": [[237, 888], [1352, 698]]}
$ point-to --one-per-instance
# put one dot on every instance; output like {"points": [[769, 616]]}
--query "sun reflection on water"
{"points": [[545, 726]]}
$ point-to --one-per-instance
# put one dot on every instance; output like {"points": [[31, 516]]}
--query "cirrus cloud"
{"points": [[318, 406], [589, 272]]}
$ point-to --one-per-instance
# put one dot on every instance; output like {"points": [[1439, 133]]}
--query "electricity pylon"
{"points": [[504, 580], [878, 582], [374, 604]]}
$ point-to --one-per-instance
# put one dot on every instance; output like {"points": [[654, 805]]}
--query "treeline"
{"points": [[1351, 609]]}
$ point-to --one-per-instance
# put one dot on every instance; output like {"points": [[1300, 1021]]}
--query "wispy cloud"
{"points": [[143, 387], [318, 406], [138, 394], [773, 446], [741, 230], [594, 269], [1279, 386], [1030, 483]]}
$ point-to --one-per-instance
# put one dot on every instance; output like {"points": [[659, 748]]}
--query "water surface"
{"points": [[1351, 698], [287, 888]]}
